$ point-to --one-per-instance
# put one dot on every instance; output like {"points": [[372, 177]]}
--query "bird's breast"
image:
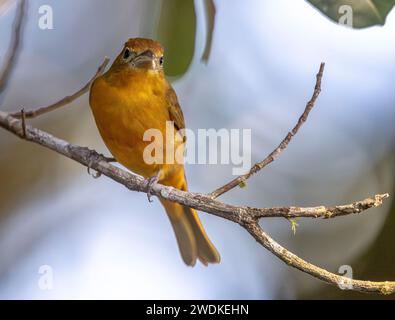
{"points": [[124, 111]]}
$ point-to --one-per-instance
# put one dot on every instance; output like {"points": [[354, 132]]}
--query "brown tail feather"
{"points": [[184, 232], [193, 241], [207, 253]]}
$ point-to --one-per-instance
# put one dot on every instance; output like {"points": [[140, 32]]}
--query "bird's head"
{"points": [[140, 53]]}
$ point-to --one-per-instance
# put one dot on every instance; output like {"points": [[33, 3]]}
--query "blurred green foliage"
{"points": [[177, 32], [365, 13]]}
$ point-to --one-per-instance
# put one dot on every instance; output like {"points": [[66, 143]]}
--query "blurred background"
{"points": [[102, 241]]}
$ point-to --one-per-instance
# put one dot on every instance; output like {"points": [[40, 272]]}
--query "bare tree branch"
{"points": [[66, 100], [320, 211], [384, 287], [12, 55], [246, 217], [211, 13], [199, 201], [240, 180]]}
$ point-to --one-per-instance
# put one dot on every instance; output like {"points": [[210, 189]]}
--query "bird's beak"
{"points": [[145, 60]]}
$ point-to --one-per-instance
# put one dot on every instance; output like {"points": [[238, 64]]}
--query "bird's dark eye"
{"points": [[161, 59], [127, 54]]}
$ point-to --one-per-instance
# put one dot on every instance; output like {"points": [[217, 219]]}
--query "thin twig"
{"points": [[13, 53], [244, 216], [66, 100], [211, 13], [320, 211], [240, 180], [23, 116]]}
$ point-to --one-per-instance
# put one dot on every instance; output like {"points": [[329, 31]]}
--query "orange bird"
{"points": [[132, 97]]}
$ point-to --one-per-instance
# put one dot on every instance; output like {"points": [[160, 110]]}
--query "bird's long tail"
{"points": [[192, 240]]}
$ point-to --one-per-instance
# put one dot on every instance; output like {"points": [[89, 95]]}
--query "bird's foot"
{"points": [[96, 157], [151, 182], [108, 159]]}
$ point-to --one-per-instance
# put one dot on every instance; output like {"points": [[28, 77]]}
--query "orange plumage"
{"points": [[131, 98]]}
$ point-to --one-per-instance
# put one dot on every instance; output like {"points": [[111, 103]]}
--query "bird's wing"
{"points": [[174, 108]]}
